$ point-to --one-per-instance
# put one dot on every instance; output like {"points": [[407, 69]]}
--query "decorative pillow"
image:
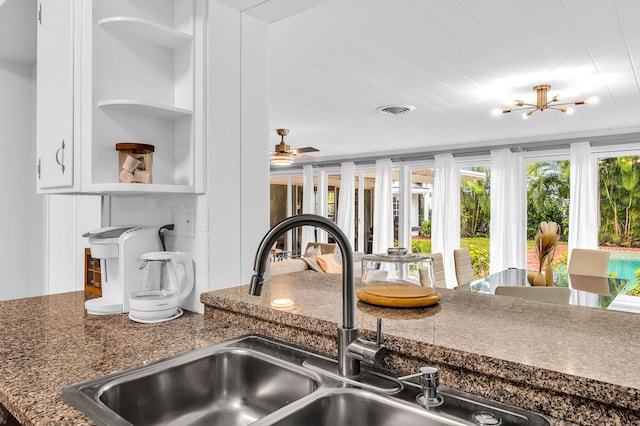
{"points": [[312, 263], [329, 264], [312, 251]]}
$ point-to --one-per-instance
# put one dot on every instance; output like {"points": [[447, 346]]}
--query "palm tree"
{"points": [[619, 199]]}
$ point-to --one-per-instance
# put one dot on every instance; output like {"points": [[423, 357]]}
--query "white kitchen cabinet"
{"points": [[138, 76], [55, 89]]}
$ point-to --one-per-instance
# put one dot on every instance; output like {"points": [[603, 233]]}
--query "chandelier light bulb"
{"points": [[496, 112], [570, 111], [593, 100]]}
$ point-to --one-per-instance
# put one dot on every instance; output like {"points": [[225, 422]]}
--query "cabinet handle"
{"points": [[39, 168], [40, 13], [61, 163]]}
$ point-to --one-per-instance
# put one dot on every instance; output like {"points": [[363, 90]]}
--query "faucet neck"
{"points": [[262, 256]]}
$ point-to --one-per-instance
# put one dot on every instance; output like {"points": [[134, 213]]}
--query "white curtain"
{"points": [[445, 228], [308, 205], [508, 228], [382, 208], [346, 201], [321, 206], [583, 208], [583, 203]]}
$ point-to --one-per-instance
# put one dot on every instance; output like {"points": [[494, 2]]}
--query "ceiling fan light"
{"points": [[281, 160]]}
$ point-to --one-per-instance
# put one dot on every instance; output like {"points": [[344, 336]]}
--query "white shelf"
{"points": [[148, 108], [146, 30], [139, 188]]}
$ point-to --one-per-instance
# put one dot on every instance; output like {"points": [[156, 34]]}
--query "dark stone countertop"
{"points": [[577, 351], [49, 342]]}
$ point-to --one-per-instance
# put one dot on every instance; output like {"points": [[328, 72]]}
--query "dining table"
{"points": [[603, 292]]}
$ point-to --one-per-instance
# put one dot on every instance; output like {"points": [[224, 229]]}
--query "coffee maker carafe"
{"points": [[163, 281]]}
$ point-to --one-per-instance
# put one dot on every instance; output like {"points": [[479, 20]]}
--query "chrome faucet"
{"points": [[351, 349]]}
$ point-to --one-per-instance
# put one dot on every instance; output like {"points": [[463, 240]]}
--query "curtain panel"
{"points": [[382, 208], [583, 203], [508, 225], [308, 206], [445, 228], [346, 201], [583, 208]]}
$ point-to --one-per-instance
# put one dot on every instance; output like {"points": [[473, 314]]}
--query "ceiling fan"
{"points": [[283, 155]]}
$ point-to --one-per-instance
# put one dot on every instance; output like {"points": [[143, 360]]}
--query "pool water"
{"points": [[624, 268]]}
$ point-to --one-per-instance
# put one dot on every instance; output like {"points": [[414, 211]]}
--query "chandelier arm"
{"points": [[565, 103], [532, 107]]}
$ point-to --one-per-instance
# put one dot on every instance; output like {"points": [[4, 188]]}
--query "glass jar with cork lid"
{"points": [[135, 162]]}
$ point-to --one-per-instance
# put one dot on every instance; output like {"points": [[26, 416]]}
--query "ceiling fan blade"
{"points": [[305, 149], [309, 157]]}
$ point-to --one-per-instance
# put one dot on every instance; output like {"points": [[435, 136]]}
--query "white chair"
{"points": [[464, 270], [540, 294], [438, 270], [589, 262], [588, 270]]}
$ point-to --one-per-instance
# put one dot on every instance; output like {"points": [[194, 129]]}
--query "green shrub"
{"points": [[479, 261], [421, 246], [425, 229]]}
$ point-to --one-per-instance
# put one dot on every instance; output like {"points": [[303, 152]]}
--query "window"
{"points": [[420, 209], [547, 201], [475, 216], [619, 188]]}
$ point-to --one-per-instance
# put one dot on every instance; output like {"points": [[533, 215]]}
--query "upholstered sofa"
{"points": [[320, 257]]}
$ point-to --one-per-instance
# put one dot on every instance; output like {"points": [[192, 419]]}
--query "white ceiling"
{"points": [[334, 64], [18, 31]]}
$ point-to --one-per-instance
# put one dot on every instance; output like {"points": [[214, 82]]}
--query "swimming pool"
{"points": [[624, 268]]}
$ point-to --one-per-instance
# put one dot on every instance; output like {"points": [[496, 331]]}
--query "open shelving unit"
{"points": [[147, 66]]}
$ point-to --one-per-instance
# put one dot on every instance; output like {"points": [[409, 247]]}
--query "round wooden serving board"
{"points": [[398, 295]]}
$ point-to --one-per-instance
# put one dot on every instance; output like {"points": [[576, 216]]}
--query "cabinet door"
{"points": [[54, 111]]}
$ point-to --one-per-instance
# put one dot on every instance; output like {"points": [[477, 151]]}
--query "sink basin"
{"points": [[259, 381], [355, 407], [227, 386]]}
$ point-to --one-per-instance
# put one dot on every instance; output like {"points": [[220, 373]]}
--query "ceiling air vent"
{"points": [[395, 109]]}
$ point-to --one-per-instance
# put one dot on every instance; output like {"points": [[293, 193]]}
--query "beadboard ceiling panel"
{"points": [[335, 63]]}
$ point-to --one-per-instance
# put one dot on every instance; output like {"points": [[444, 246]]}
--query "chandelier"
{"points": [[543, 103]]}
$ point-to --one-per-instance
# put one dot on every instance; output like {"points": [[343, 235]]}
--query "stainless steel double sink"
{"points": [[259, 381]]}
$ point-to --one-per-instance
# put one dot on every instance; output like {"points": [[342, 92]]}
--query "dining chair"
{"points": [[438, 270], [540, 294], [464, 270], [588, 270], [589, 262]]}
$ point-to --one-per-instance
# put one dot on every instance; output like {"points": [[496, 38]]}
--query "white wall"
{"points": [[21, 214], [67, 217], [238, 148]]}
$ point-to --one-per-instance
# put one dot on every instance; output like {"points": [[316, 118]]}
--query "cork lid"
{"points": [[132, 146]]}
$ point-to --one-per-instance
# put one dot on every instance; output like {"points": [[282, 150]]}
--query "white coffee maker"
{"points": [[118, 248]]}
